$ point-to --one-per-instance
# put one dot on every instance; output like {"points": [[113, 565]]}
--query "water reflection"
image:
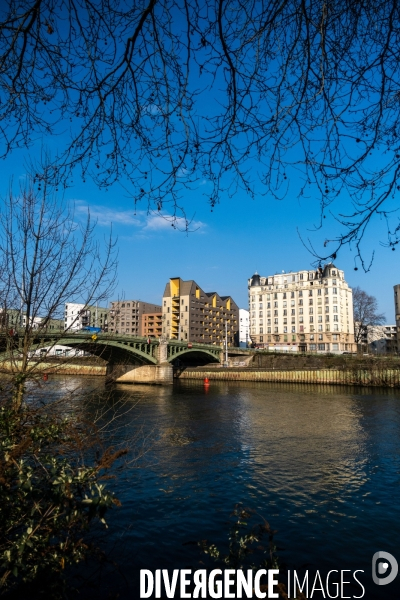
{"points": [[320, 463]]}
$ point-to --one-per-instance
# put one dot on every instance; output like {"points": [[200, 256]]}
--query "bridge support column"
{"points": [[152, 374]]}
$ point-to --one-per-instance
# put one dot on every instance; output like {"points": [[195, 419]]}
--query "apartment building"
{"points": [[396, 289], [128, 317], [310, 310], [380, 339], [80, 315], [150, 325], [244, 331], [191, 314]]}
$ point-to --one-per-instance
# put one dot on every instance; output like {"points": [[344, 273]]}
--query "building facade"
{"points": [[127, 317], [306, 311], [396, 290], [150, 324], [80, 315], [380, 339], [191, 314], [244, 331]]}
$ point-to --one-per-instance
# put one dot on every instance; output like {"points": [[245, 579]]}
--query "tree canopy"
{"points": [[279, 96]]}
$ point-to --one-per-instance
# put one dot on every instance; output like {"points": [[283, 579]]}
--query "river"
{"points": [[321, 464]]}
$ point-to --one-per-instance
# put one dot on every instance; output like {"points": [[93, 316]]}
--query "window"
{"points": [[261, 338], [335, 337], [300, 302], [319, 292], [336, 327], [300, 293], [269, 330], [293, 338], [285, 312], [320, 319], [336, 317], [335, 309], [275, 305], [261, 330], [300, 311], [301, 275], [310, 292], [335, 347], [276, 330], [293, 312], [293, 329], [284, 295], [321, 347], [311, 311], [285, 331], [326, 309], [268, 304], [319, 327], [275, 313], [276, 321], [168, 309], [310, 302], [311, 319], [186, 308], [335, 290], [312, 336], [275, 296], [292, 294], [313, 347]]}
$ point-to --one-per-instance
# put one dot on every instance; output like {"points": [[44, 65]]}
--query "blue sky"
{"points": [[225, 247], [228, 245]]}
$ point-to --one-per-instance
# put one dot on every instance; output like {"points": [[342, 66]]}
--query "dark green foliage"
{"points": [[49, 497]]}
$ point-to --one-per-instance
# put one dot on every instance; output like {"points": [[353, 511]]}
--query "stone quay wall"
{"points": [[357, 377]]}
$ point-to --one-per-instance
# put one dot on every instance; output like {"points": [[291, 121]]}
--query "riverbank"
{"points": [[356, 376], [57, 368]]}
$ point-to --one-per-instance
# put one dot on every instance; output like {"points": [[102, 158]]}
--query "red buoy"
{"points": [[45, 377], [206, 380]]}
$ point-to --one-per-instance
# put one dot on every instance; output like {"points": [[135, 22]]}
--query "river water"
{"points": [[321, 464]]}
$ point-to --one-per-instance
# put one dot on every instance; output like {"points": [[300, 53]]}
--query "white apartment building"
{"points": [[396, 289], [381, 339], [306, 311], [244, 331], [80, 315]]}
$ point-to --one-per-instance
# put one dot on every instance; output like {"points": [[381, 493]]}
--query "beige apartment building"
{"points": [[306, 311], [191, 314], [127, 317]]}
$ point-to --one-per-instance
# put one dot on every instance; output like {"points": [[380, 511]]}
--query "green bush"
{"points": [[49, 496]]}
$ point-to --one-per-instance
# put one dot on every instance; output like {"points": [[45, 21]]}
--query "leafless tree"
{"points": [[366, 314], [302, 97], [48, 259]]}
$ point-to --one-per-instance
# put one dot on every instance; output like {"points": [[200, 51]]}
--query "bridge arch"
{"points": [[112, 351], [194, 355]]}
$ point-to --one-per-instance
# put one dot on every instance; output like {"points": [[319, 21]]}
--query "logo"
{"points": [[385, 564]]}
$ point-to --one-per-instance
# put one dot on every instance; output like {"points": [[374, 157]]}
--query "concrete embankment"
{"points": [[59, 369], [363, 377]]}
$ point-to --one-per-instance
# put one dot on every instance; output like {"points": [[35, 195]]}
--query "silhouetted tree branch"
{"points": [[161, 94]]}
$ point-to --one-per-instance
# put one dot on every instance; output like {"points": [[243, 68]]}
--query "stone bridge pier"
{"points": [[161, 373]]}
